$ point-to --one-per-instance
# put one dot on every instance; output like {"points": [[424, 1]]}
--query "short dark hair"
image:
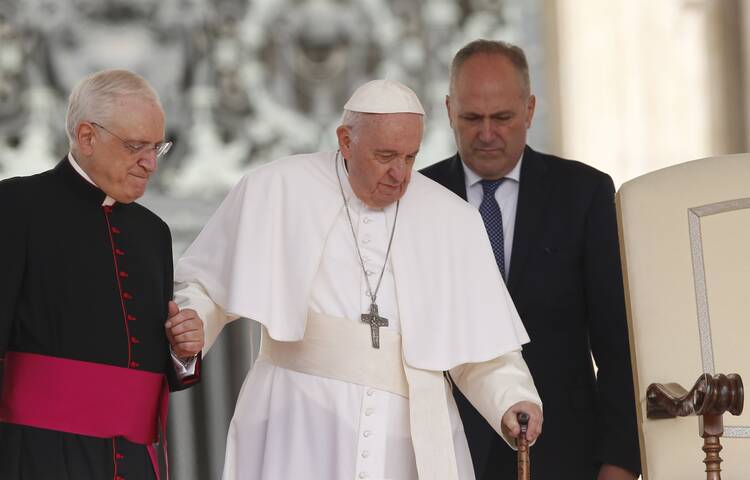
{"points": [[493, 47]]}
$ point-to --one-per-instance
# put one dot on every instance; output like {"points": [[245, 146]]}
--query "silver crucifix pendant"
{"points": [[375, 321]]}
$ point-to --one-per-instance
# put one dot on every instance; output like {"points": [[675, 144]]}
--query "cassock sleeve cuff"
{"points": [[494, 386], [185, 370]]}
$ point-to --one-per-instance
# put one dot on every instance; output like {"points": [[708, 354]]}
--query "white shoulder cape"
{"points": [[259, 253]]}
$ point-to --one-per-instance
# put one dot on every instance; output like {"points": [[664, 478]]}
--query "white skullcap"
{"points": [[384, 96]]}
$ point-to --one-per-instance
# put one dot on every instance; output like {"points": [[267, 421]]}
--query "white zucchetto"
{"points": [[384, 96]]}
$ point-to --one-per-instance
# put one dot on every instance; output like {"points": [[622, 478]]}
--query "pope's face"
{"points": [[119, 153], [380, 152], [489, 111]]}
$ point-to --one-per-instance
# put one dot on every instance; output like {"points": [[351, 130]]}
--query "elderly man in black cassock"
{"points": [[90, 341]]}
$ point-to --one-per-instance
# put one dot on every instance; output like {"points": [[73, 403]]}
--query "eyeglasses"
{"points": [[161, 148]]}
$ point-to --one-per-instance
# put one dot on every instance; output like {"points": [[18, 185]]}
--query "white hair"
{"points": [[94, 98], [352, 120]]}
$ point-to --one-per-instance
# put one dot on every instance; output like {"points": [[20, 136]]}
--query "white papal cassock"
{"points": [[281, 245]]}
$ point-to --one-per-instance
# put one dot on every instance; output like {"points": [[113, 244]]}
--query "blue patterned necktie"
{"points": [[493, 221]]}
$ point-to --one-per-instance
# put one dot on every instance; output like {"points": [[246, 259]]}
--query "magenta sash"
{"points": [[84, 398]]}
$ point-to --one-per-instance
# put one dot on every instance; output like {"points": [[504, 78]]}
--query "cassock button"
{"points": [[123, 274], [127, 296], [365, 454], [119, 456], [363, 475], [115, 230], [134, 340], [366, 433], [370, 392], [131, 317], [369, 412], [107, 209], [366, 220], [119, 252], [134, 364]]}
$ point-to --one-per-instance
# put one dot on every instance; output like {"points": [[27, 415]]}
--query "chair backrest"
{"points": [[685, 243]]}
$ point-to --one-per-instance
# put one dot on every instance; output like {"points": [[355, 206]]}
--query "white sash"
{"points": [[341, 349]]}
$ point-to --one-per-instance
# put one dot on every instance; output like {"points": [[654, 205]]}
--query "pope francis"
{"points": [[370, 282]]}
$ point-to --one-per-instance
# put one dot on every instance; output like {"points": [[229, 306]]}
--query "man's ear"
{"points": [[448, 108], [344, 135], [530, 107], [85, 138]]}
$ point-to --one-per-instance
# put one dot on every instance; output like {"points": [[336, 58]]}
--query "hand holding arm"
{"points": [[184, 330]]}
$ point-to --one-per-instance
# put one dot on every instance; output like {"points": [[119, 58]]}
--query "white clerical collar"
{"points": [[343, 173], [108, 201], [472, 178]]}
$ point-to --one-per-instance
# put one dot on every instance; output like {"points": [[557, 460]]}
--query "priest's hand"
{"points": [[184, 331], [510, 421]]}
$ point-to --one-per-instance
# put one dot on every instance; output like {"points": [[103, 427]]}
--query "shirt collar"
{"points": [[108, 201], [472, 178]]}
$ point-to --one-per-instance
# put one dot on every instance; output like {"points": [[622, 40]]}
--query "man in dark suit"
{"points": [[552, 226]]}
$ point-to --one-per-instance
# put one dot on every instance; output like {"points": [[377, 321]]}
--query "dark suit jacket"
{"points": [[566, 282]]}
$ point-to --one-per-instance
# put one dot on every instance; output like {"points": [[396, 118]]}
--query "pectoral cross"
{"points": [[375, 321]]}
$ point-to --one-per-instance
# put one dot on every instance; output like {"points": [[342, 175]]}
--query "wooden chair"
{"points": [[685, 245]]}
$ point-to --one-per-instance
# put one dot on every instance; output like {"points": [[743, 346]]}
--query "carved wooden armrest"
{"points": [[711, 395], [710, 398]]}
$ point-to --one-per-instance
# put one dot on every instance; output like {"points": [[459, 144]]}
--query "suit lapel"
{"points": [[532, 197], [455, 180]]}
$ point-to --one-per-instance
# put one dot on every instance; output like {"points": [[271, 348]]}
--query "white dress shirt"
{"points": [[507, 199]]}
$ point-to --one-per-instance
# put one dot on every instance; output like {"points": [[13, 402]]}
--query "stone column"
{"points": [[645, 84], [728, 70]]}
